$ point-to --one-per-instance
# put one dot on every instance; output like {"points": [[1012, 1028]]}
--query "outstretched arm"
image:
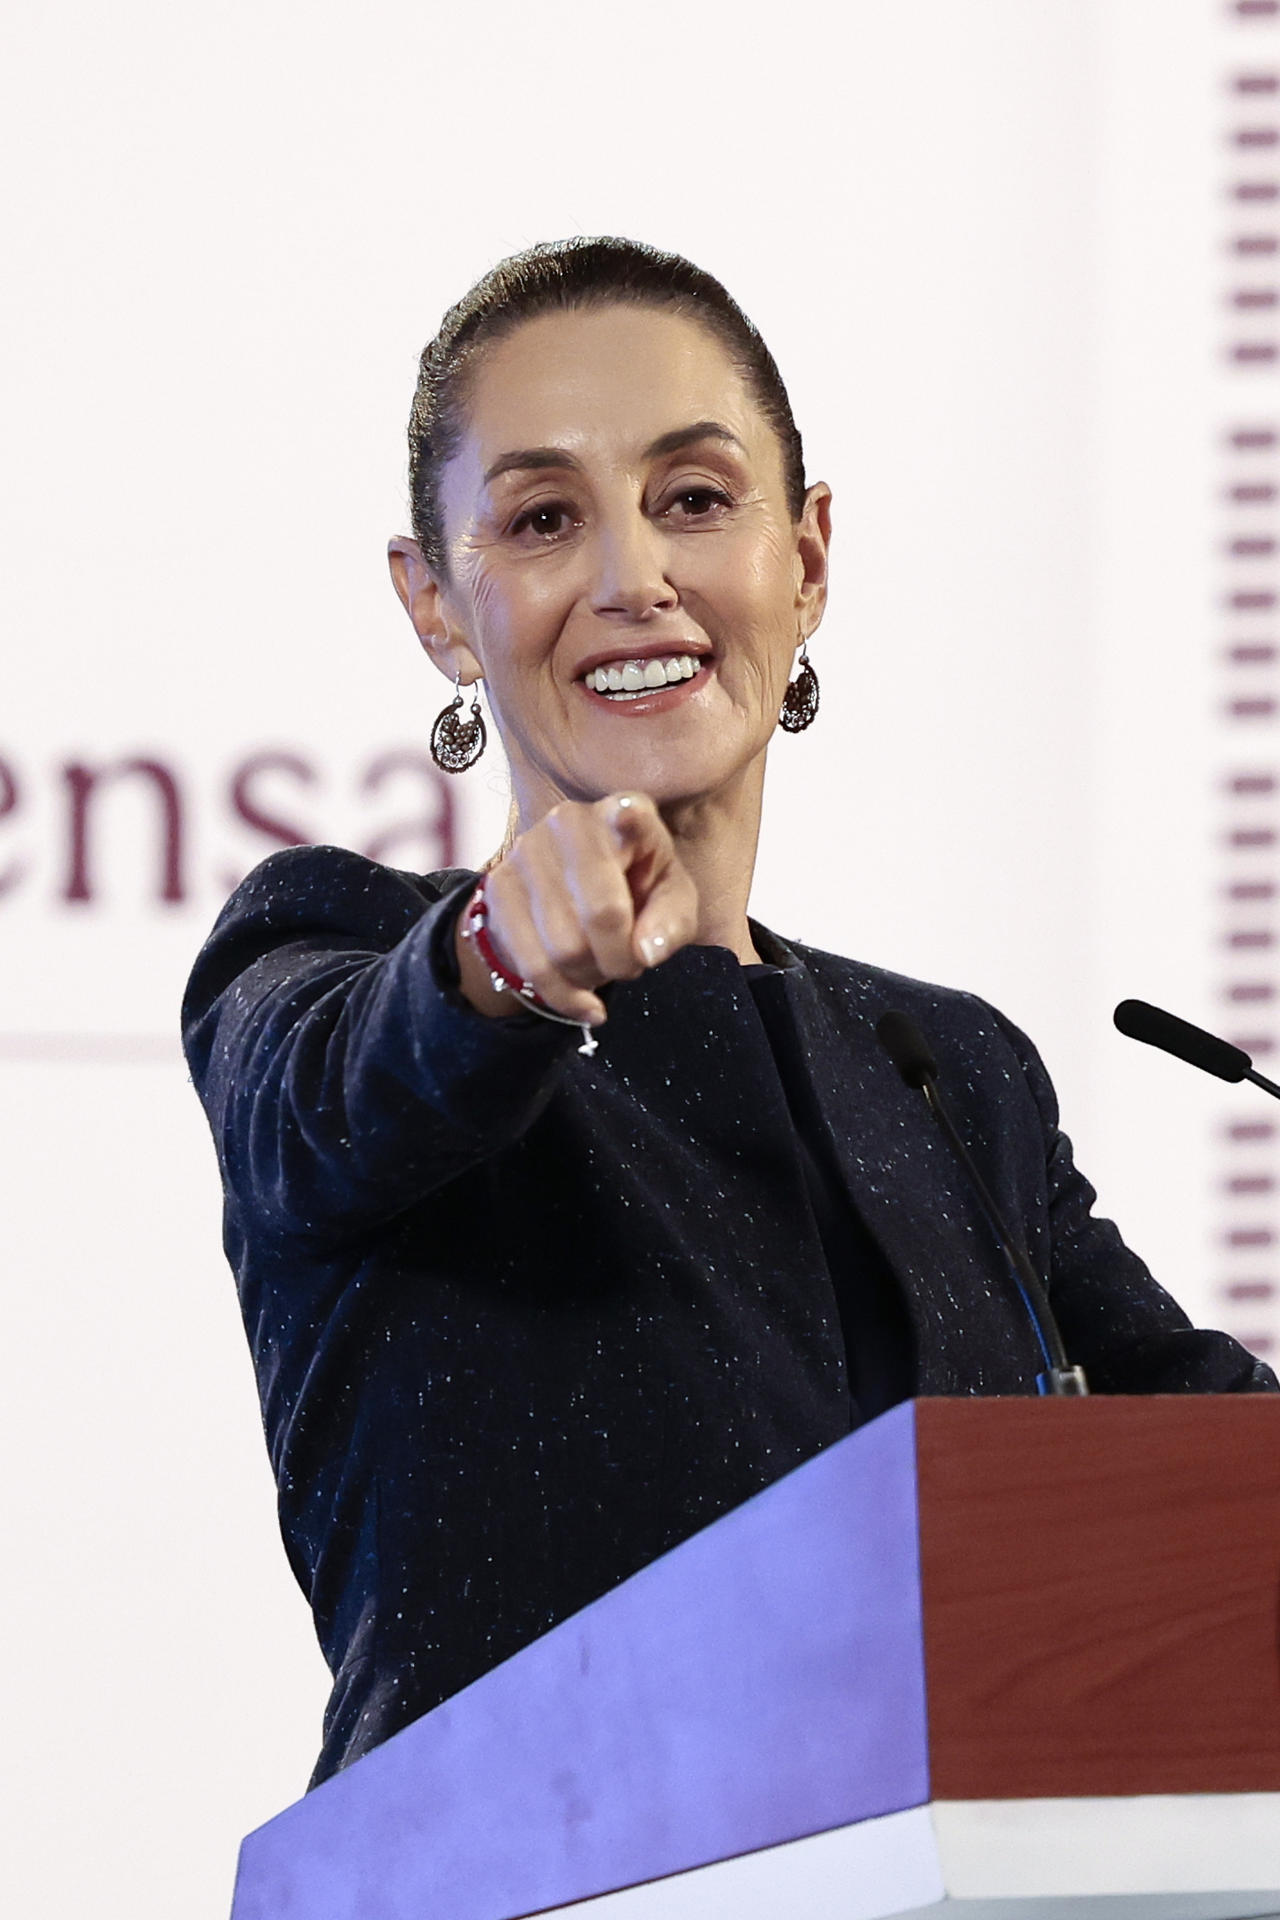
{"points": [[349, 1049]]}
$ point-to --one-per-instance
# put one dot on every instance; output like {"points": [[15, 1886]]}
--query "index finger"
{"points": [[629, 814], [664, 896]]}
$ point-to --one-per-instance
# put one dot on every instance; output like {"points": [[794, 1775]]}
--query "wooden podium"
{"points": [[996, 1659]]}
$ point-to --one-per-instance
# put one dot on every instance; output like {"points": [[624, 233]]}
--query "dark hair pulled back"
{"points": [[559, 276]]}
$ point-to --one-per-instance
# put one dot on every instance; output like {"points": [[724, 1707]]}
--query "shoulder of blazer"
{"points": [[870, 991], [974, 1041], [308, 892], [311, 897]]}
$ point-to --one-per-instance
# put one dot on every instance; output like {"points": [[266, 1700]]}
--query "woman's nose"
{"points": [[631, 580]]}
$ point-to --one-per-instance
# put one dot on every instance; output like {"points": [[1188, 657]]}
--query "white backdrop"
{"points": [[996, 250]]}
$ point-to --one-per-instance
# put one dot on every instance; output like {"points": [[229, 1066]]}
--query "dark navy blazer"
{"points": [[523, 1320]]}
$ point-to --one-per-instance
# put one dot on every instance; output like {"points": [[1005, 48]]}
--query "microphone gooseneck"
{"points": [[913, 1057], [1156, 1028]]}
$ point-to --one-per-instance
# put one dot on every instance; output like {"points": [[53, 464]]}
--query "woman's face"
{"points": [[624, 570]]}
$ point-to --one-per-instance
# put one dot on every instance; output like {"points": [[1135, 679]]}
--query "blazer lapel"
{"points": [[900, 1176]]}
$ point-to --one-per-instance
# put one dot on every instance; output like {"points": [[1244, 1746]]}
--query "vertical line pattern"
{"points": [[1246, 803]]}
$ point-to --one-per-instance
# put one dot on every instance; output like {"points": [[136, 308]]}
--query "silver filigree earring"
{"points": [[457, 744], [800, 702]]}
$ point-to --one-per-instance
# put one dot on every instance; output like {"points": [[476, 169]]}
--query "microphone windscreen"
{"points": [[1192, 1044], [907, 1047]]}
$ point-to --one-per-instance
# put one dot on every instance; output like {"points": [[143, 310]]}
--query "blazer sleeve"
{"points": [[343, 1073], [1117, 1322]]}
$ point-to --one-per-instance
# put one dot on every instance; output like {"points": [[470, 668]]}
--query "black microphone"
{"points": [[912, 1055], [1138, 1021], [908, 1049]]}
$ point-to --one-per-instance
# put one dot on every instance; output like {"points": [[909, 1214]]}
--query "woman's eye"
{"points": [[547, 521], [698, 503]]}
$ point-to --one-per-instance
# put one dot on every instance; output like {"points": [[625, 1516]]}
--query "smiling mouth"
{"points": [[624, 680]]}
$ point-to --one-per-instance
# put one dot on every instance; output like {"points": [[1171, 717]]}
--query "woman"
{"points": [[524, 1313]]}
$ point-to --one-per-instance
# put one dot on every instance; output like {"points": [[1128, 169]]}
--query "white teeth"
{"points": [[626, 681]]}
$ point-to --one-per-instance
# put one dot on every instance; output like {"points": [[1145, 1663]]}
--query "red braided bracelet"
{"points": [[475, 927]]}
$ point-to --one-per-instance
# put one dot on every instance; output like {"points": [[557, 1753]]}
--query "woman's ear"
{"points": [[813, 544], [423, 600]]}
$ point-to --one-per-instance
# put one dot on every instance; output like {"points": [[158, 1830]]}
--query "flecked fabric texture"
{"points": [[524, 1320]]}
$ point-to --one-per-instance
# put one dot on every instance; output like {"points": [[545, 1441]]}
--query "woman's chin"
{"points": [[675, 764], [669, 778]]}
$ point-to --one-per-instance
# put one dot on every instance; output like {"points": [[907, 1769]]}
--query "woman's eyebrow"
{"points": [[681, 437], [531, 458]]}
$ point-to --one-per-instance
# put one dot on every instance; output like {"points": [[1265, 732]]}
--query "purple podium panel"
{"points": [[763, 1681]]}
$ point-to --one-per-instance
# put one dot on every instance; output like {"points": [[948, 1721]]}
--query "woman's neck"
{"points": [[716, 839]]}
